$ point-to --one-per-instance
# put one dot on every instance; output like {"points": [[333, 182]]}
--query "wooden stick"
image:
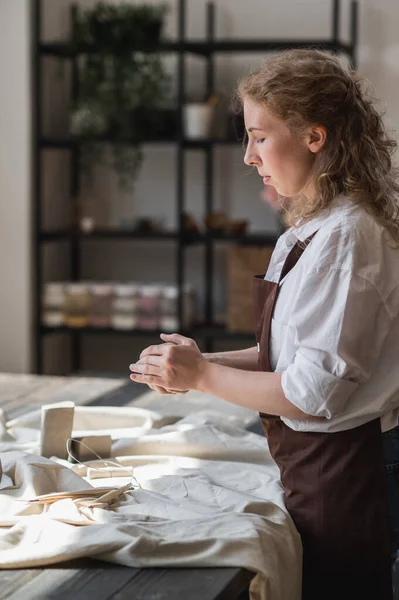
{"points": [[107, 498], [91, 493]]}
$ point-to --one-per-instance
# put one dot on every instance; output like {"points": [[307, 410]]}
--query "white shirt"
{"points": [[335, 327]]}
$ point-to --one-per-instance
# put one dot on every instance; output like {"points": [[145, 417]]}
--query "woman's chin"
{"points": [[281, 191]]}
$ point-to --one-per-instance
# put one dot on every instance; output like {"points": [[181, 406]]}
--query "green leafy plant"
{"points": [[123, 86]]}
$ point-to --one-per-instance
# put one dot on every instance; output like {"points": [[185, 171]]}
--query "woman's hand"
{"points": [[170, 368], [163, 391]]}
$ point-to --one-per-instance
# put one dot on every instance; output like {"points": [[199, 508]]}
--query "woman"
{"points": [[323, 374]]}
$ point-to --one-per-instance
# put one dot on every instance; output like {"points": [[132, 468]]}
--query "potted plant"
{"points": [[123, 86]]}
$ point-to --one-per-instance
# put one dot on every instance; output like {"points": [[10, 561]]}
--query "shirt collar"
{"points": [[302, 232]]}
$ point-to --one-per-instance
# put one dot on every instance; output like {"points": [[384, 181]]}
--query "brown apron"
{"points": [[334, 488]]}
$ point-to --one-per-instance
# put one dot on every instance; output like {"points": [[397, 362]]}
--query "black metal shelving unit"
{"points": [[207, 49]]}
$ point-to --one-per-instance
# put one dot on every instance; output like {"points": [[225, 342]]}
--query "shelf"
{"points": [[238, 46], [254, 239], [216, 332], [204, 144], [204, 48], [61, 49], [249, 239], [66, 143], [100, 330], [104, 234]]}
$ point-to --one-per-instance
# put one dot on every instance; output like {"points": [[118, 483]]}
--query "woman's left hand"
{"points": [[177, 364]]}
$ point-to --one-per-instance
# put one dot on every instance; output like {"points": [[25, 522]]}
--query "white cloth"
{"points": [[210, 496], [199, 404], [335, 328]]}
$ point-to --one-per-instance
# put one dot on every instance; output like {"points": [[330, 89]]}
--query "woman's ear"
{"points": [[316, 138]]}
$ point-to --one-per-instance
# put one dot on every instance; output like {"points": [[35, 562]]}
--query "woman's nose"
{"points": [[251, 158]]}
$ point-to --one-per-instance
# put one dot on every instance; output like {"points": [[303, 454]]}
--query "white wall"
{"points": [[237, 189], [15, 187], [379, 54]]}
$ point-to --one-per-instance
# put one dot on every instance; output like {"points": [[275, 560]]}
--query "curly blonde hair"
{"points": [[311, 87]]}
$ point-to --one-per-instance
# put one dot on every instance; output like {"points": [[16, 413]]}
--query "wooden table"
{"points": [[19, 393], [91, 580], [87, 579]]}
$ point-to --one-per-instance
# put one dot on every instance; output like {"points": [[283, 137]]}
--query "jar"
{"points": [[168, 309], [77, 304], [53, 304], [148, 300], [168, 303], [101, 296], [124, 306], [169, 324], [189, 306], [148, 305]]}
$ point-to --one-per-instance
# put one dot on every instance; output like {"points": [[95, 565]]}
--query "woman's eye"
{"points": [[260, 140]]}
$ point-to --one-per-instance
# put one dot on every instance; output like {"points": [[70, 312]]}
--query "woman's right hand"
{"points": [[163, 391]]}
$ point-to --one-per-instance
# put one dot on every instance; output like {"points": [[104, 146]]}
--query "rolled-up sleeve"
{"points": [[339, 323]]}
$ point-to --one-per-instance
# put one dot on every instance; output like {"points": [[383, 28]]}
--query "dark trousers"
{"points": [[390, 441], [391, 456]]}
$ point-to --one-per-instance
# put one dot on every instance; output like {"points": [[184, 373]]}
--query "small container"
{"points": [[169, 324], [87, 224], [124, 321], [101, 296], [189, 305], [168, 320], [148, 307], [168, 302], [197, 120], [124, 306], [53, 304], [149, 300], [77, 303], [148, 322]]}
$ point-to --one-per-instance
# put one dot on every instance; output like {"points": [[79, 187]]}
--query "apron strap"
{"points": [[294, 255]]}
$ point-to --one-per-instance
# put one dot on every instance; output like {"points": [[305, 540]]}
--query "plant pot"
{"points": [[197, 120]]}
